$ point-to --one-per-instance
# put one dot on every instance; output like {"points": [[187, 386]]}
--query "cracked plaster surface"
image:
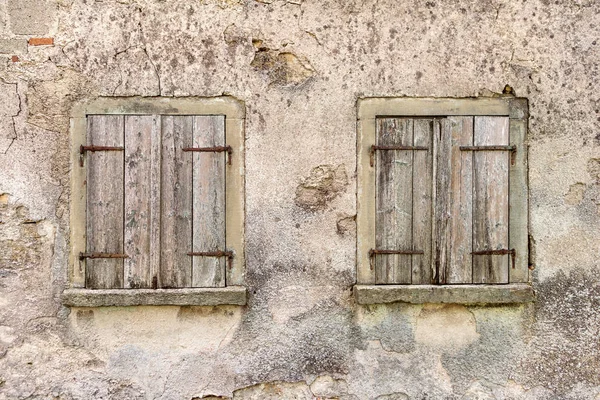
{"points": [[301, 325]]}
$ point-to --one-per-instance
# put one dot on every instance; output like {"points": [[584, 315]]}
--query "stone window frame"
{"points": [[235, 293], [519, 289]]}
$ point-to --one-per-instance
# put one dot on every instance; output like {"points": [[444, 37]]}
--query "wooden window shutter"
{"points": [[403, 201], [104, 227], [442, 200], [471, 200], [155, 209], [208, 203], [491, 201], [142, 207], [176, 203], [193, 202], [442, 197], [453, 200]]}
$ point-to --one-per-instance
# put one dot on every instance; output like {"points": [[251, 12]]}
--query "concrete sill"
{"points": [[232, 295], [458, 294]]}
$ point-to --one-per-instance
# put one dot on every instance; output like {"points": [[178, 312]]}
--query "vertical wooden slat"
{"points": [[234, 201], [421, 213], [142, 152], [365, 201], [155, 198], [104, 202], [394, 200], [208, 202], [78, 221], [490, 220], [519, 216], [176, 204], [453, 203]]}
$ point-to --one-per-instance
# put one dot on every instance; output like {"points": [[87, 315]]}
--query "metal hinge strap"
{"points": [[375, 148], [84, 149], [218, 253], [83, 256], [374, 252], [215, 149], [488, 148], [499, 252]]}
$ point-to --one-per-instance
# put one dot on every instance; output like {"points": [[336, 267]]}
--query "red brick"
{"points": [[41, 41]]}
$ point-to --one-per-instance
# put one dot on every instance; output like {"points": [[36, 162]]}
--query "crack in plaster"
{"points": [[155, 70], [14, 125]]}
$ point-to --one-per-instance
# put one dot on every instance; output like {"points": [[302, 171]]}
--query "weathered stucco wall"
{"points": [[300, 67]]}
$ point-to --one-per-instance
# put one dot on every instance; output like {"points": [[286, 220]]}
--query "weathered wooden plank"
{"points": [[460, 267], [142, 149], [176, 204], [208, 202], [77, 219], [234, 201], [394, 200], [519, 216], [365, 201], [105, 202], [453, 203], [490, 191], [155, 198], [421, 213]]}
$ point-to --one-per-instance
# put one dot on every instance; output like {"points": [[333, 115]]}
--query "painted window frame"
{"points": [[235, 292], [519, 287]]}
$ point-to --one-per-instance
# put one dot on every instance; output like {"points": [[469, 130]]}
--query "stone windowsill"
{"points": [[232, 295], [458, 294]]}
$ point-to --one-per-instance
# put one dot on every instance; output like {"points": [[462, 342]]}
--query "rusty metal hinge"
{"points": [[512, 149], [375, 148], [374, 252], [83, 149], [500, 252], [83, 256], [488, 148], [218, 253], [215, 149]]}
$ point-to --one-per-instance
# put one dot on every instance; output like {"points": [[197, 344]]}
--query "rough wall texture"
{"points": [[299, 66]]}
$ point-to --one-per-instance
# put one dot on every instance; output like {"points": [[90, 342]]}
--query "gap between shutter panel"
{"points": [[490, 200], [422, 197], [142, 192], [104, 182], [453, 203], [208, 223], [394, 183], [176, 202]]}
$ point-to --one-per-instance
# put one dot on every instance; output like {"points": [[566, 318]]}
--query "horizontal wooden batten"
{"points": [[231, 295], [457, 294]]}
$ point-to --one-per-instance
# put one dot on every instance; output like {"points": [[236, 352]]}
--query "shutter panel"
{"points": [[208, 234], [422, 197], [491, 211], [453, 201], [394, 201], [176, 202], [142, 192], [104, 202]]}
